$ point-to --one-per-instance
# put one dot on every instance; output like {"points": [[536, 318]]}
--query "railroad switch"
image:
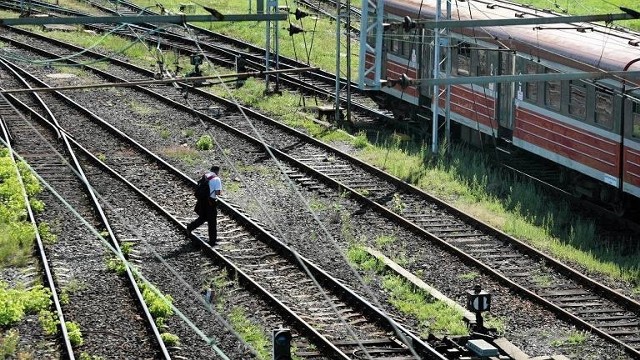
{"points": [[329, 112], [196, 61], [241, 67]]}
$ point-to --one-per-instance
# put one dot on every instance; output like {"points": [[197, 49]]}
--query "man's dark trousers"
{"points": [[208, 213]]}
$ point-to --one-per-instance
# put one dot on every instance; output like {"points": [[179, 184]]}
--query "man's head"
{"points": [[215, 168]]}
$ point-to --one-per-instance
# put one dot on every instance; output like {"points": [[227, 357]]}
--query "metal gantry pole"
{"points": [[447, 103], [276, 40], [272, 8], [267, 48], [338, 17], [348, 30], [436, 88]]}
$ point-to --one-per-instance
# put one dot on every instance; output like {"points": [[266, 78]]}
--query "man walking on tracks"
{"points": [[207, 192]]}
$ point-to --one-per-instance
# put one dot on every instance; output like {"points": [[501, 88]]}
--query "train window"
{"points": [[483, 63], [464, 60], [505, 64], [635, 120], [407, 46], [531, 88], [552, 92], [394, 45], [577, 99], [604, 109]]}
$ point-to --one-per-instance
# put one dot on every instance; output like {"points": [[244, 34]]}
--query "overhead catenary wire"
{"points": [[277, 227], [125, 222], [188, 79], [119, 255], [60, 61], [177, 311], [325, 229], [99, 41]]}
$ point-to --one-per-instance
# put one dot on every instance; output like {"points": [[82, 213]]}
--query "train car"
{"points": [[589, 128]]}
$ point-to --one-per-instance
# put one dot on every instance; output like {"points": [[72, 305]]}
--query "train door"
{"points": [[504, 96]]}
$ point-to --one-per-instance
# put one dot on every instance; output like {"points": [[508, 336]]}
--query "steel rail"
{"points": [[105, 222], [256, 63], [68, 348], [565, 269], [331, 282]]}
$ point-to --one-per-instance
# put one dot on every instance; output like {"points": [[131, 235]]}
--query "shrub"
{"points": [[45, 233], [170, 339], [15, 303], [116, 265], [75, 336], [49, 322], [204, 143], [159, 306], [9, 344]]}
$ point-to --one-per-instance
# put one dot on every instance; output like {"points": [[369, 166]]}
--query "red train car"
{"points": [[589, 128]]}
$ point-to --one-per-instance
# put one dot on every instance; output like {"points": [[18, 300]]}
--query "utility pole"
{"points": [[447, 103], [348, 28], [272, 8], [435, 105], [435, 108], [338, 48]]}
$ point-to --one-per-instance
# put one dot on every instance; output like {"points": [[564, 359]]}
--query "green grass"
{"points": [[181, 153], [434, 316], [77, 5], [287, 107], [575, 338], [317, 205], [251, 332], [320, 40], [384, 240], [9, 344], [141, 108], [462, 177], [469, 276], [16, 233]]}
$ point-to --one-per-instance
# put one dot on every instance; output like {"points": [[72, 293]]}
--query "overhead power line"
{"points": [[632, 75], [154, 82], [443, 24], [172, 19]]}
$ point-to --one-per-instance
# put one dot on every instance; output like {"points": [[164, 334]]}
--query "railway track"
{"points": [[570, 294], [322, 84], [119, 299], [455, 232], [223, 51], [247, 250], [7, 114]]}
